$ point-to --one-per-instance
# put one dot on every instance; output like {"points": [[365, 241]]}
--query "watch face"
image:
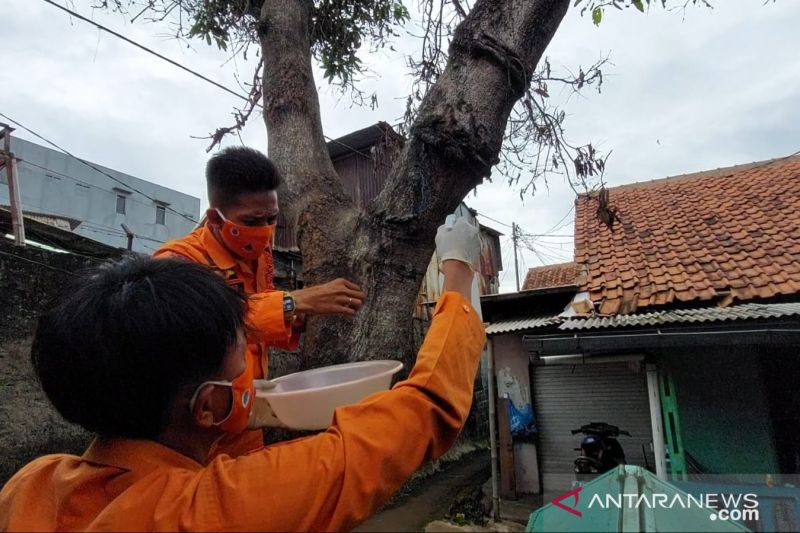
{"points": [[288, 305]]}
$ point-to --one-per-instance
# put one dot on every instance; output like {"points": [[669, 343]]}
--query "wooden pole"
{"points": [[17, 222], [130, 236], [508, 483], [493, 431], [514, 237]]}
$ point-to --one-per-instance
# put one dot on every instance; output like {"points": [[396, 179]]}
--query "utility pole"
{"points": [[130, 236], [514, 237], [10, 162]]}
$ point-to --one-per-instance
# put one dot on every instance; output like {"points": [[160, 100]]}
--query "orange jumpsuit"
{"points": [[264, 315], [330, 481]]}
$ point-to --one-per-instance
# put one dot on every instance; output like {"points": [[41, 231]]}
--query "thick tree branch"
{"points": [[459, 130], [294, 129]]}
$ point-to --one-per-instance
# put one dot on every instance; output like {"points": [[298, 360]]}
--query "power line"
{"points": [[558, 224], [520, 231], [88, 225], [506, 259], [224, 88], [114, 233], [56, 173], [493, 219], [248, 99], [546, 235], [552, 255], [37, 263], [93, 167], [59, 248], [143, 244], [190, 71], [146, 49]]}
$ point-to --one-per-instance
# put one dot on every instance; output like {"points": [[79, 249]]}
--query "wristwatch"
{"points": [[288, 306]]}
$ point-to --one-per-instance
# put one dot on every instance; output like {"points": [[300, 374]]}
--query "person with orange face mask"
{"points": [[150, 355], [235, 241]]}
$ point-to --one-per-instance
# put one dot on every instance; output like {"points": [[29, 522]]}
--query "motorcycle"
{"points": [[600, 450]]}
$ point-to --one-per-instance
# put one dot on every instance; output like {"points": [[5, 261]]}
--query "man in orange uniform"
{"points": [[235, 241], [149, 354]]}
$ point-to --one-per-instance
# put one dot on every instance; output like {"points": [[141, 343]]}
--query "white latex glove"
{"points": [[461, 242]]}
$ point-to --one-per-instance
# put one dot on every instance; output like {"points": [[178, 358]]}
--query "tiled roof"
{"points": [[731, 233], [550, 276], [749, 311]]}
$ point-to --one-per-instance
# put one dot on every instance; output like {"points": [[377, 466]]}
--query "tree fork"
{"points": [[451, 147], [463, 117]]}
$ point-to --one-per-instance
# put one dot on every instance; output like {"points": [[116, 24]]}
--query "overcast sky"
{"points": [[687, 91]]}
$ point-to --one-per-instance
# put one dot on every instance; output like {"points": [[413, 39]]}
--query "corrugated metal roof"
{"points": [[749, 311], [506, 326]]}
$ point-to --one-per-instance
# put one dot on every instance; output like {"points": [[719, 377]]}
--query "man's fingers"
{"points": [[350, 302], [356, 295], [346, 311], [337, 297], [350, 285]]}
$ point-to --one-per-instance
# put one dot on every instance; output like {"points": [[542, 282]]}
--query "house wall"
{"points": [[723, 409], [71, 189], [363, 175], [511, 366], [512, 369]]}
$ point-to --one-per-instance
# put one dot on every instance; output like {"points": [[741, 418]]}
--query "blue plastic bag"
{"points": [[521, 421]]}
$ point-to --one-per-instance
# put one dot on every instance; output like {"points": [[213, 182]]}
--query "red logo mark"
{"points": [[573, 492]]}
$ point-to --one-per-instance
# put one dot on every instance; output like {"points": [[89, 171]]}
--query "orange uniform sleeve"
{"points": [[265, 316], [337, 479], [264, 312], [328, 482]]}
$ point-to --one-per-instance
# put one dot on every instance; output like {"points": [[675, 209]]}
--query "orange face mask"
{"points": [[249, 242], [242, 392]]}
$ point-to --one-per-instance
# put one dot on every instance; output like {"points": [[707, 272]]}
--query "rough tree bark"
{"points": [[451, 147]]}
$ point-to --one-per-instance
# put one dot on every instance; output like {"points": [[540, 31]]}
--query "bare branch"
{"points": [[241, 115]]}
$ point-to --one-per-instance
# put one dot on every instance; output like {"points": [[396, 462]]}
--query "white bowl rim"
{"points": [[395, 367]]}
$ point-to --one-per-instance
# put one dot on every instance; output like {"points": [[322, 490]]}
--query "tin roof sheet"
{"points": [[749, 311], [507, 326]]}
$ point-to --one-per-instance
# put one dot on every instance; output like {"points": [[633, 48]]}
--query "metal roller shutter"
{"points": [[568, 396]]}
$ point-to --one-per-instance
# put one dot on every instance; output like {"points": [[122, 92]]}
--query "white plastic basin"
{"points": [[307, 400]]}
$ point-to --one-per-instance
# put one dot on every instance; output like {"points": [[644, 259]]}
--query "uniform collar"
{"points": [[138, 456]]}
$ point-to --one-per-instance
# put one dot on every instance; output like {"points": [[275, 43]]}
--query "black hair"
{"points": [[239, 170], [127, 336]]}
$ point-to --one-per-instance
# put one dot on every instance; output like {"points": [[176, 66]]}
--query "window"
{"points": [[121, 204], [161, 212]]}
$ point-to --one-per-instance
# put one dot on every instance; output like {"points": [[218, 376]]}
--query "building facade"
{"points": [[55, 185]]}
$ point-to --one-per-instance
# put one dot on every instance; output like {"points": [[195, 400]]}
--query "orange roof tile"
{"points": [[558, 275], [693, 237]]}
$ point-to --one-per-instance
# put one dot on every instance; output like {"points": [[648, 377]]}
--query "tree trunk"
{"points": [[452, 146]]}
